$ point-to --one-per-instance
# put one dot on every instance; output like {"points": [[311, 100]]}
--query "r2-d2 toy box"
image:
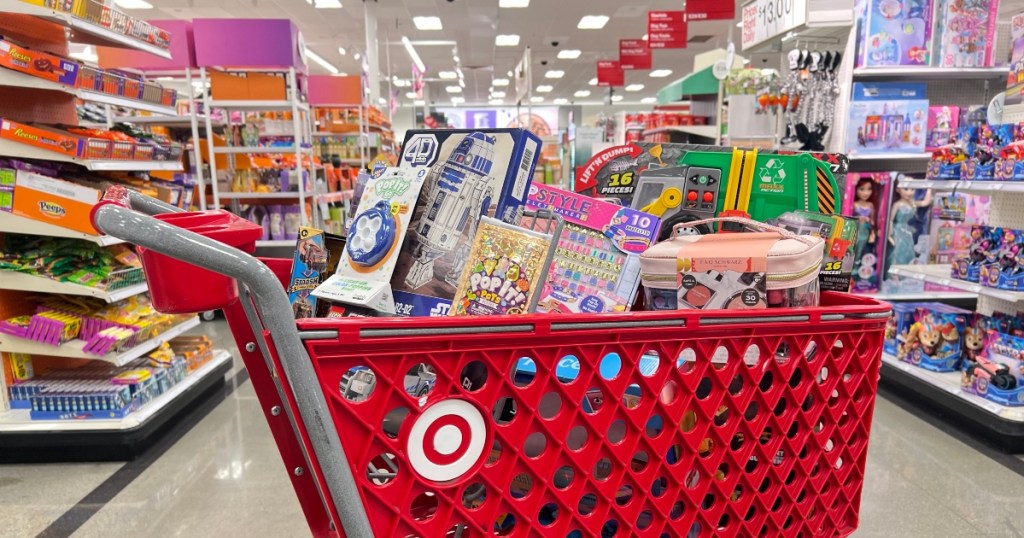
{"points": [[472, 173]]}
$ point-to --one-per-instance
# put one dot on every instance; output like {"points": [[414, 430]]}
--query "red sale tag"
{"points": [[666, 29], [610, 73], [634, 54], [705, 10]]}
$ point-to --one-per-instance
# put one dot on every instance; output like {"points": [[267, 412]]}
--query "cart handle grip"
{"points": [[115, 216]]}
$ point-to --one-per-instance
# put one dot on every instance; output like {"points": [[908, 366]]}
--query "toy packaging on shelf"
{"points": [[906, 235], [866, 201], [997, 375], [887, 117], [943, 123], [953, 215], [505, 271], [1015, 79], [840, 235], [894, 33], [929, 335], [316, 258], [469, 174], [1004, 263], [376, 237], [964, 34], [597, 265], [983, 241]]}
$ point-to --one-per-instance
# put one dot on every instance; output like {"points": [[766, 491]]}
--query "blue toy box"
{"points": [[471, 173], [997, 374], [933, 340], [899, 323], [895, 33], [887, 117], [316, 258], [984, 242]]}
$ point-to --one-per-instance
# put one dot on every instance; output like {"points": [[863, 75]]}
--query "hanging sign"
{"points": [[666, 29], [609, 73], [709, 10], [634, 54], [765, 19]]}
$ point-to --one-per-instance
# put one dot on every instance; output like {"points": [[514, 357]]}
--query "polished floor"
{"points": [[222, 477]]}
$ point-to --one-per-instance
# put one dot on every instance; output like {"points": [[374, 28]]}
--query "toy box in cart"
{"points": [[688, 182], [472, 173]]}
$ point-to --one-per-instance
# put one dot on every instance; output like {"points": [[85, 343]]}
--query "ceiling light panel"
{"points": [[427, 23], [448, 75], [411, 95], [544, 88], [593, 81], [537, 99], [498, 94], [661, 73], [506, 40], [582, 93], [327, 4], [592, 22], [500, 82], [569, 54], [616, 98], [561, 101], [634, 87], [513, 3], [323, 63], [554, 74], [458, 100], [133, 4], [454, 89], [649, 100]]}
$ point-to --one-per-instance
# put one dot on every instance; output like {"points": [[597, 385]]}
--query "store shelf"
{"points": [[707, 131], [921, 296], [256, 105], [9, 77], [939, 274], [930, 73], [257, 149], [82, 31], [73, 349], [11, 223], [99, 97], [891, 157], [276, 243], [967, 186], [337, 196], [950, 383], [17, 420], [239, 195], [168, 121], [24, 151], [10, 280]]}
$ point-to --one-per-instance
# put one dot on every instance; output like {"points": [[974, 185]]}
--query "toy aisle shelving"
{"points": [[29, 99]]}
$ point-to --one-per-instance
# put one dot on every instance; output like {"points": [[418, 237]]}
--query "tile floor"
{"points": [[224, 478]]}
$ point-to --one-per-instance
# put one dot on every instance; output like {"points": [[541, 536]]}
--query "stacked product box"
{"points": [[928, 335]]}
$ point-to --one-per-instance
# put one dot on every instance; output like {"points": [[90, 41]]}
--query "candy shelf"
{"points": [[24, 151], [941, 391], [10, 280], [968, 186], [82, 31], [73, 349], [257, 105], [930, 73], [25, 440], [939, 274], [11, 223], [272, 150], [13, 78]]}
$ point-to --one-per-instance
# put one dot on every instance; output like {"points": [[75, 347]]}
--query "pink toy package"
{"points": [[943, 122], [965, 33], [596, 267], [866, 201]]}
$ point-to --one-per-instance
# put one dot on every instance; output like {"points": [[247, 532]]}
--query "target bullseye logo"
{"points": [[447, 440]]}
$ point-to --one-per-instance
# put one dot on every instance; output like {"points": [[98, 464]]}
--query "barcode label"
{"points": [[522, 176]]}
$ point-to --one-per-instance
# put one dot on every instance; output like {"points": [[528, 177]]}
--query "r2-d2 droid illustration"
{"points": [[458, 191]]}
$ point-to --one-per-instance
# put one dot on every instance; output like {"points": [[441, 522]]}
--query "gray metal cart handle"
{"points": [[115, 215]]}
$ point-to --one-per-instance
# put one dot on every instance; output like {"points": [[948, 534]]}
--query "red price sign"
{"points": [[610, 73], [634, 54], [706, 10], [666, 29]]}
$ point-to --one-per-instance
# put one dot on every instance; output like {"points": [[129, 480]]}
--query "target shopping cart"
{"points": [[661, 424]]}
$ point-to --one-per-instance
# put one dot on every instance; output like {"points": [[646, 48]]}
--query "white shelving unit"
{"points": [[1015, 187], [248, 150], [24, 151], [10, 280], [891, 157], [921, 296], [18, 421], [940, 274], [257, 195], [74, 348], [11, 223], [707, 131], [930, 73]]}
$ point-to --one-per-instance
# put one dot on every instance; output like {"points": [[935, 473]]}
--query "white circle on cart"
{"points": [[447, 440], [442, 472]]}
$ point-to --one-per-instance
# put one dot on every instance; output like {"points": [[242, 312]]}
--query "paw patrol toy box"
{"points": [[470, 173], [688, 182], [930, 335]]}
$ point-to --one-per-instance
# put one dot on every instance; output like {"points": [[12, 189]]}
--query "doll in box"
{"points": [[865, 201], [865, 209], [902, 233]]}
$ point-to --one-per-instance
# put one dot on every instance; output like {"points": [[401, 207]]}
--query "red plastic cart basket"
{"points": [[681, 423]]}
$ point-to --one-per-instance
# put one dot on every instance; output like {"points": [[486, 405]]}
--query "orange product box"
{"points": [[122, 151], [55, 201], [143, 153], [97, 148], [57, 141], [38, 64]]}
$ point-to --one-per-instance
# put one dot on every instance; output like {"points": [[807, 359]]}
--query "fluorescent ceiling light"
{"points": [[582, 93], [412, 54], [509, 74], [616, 98], [458, 100], [427, 23], [569, 54], [514, 3], [739, 24], [356, 56], [506, 40], [496, 102], [593, 81], [500, 82], [649, 100], [419, 102], [164, 78], [644, 37], [498, 94], [544, 88], [382, 100], [342, 51], [327, 4], [634, 87], [133, 4], [462, 82], [448, 75], [410, 95], [323, 63], [592, 22], [537, 99], [661, 73], [342, 74], [401, 83], [454, 89], [554, 74], [459, 71], [561, 101]]}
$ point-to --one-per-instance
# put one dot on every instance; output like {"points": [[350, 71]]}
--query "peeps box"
{"points": [[469, 173], [887, 117], [896, 33], [597, 262]]}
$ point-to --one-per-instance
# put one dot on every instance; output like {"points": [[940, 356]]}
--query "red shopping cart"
{"points": [[681, 423]]}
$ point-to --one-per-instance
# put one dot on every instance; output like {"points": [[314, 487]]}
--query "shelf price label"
{"points": [[610, 73], [765, 19], [667, 29], [708, 10], [634, 54]]}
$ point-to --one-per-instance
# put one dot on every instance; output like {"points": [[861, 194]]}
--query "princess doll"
{"points": [[901, 232], [864, 211]]}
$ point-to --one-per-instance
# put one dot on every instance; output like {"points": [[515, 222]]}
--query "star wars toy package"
{"points": [[597, 262], [468, 174], [316, 257], [375, 238]]}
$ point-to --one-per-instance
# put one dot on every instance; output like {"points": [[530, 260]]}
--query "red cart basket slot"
{"points": [[680, 423]]}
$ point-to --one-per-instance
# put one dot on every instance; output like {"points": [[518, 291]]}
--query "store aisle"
{"points": [[224, 478]]}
